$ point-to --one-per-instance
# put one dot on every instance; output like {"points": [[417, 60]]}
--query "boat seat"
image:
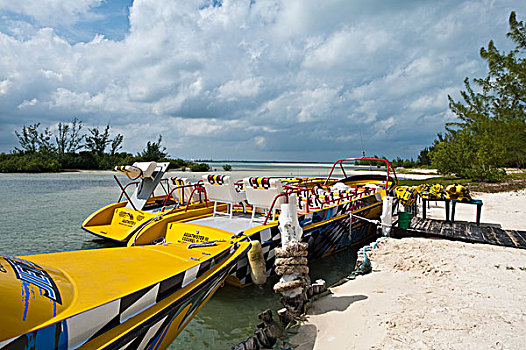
{"points": [[184, 193], [220, 189], [261, 192], [147, 168]]}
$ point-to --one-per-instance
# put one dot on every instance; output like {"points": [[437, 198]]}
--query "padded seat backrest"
{"points": [[261, 192], [147, 168], [221, 188]]}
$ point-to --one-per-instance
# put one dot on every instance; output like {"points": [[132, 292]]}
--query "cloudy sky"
{"points": [[246, 79]]}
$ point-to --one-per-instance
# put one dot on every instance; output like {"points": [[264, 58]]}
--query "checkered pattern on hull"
{"points": [[270, 238], [335, 236], [323, 239], [82, 328], [154, 330]]}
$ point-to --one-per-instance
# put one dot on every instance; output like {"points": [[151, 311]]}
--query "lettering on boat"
{"points": [[127, 222], [194, 238], [33, 274], [127, 219], [125, 213]]}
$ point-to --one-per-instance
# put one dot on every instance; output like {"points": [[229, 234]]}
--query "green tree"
{"points": [[98, 140], [28, 138], [116, 144], [491, 131], [153, 151], [32, 140], [68, 138], [199, 167], [423, 157]]}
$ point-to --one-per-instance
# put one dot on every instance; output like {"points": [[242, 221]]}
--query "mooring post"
{"points": [[291, 262], [291, 259], [387, 215]]}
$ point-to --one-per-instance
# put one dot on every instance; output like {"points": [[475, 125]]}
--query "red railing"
{"points": [[198, 188], [388, 166], [182, 187], [136, 183], [123, 192], [355, 195]]}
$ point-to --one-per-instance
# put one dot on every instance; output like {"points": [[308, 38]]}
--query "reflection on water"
{"points": [[231, 315], [42, 213]]}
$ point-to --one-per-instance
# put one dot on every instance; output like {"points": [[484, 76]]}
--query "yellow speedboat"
{"points": [[118, 221], [325, 208], [114, 298]]}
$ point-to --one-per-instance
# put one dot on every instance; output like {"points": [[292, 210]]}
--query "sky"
{"points": [[290, 80]]}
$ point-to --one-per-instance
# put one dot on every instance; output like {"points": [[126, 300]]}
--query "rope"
{"points": [[376, 222], [237, 235]]}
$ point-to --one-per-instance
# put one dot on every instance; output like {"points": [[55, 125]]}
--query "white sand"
{"points": [[507, 209], [432, 294]]}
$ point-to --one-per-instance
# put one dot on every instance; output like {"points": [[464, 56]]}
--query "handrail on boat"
{"points": [[136, 183], [350, 196], [284, 194], [182, 193], [200, 189], [388, 166], [123, 191]]}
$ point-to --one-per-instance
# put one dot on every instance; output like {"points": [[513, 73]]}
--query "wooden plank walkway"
{"points": [[462, 231]]}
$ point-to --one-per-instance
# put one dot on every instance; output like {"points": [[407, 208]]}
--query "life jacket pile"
{"points": [[430, 192], [407, 195], [458, 193]]}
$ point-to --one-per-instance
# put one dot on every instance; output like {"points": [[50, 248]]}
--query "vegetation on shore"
{"points": [[490, 133], [513, 181], [68, 148]]}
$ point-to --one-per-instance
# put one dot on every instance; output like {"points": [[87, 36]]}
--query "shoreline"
{"points": [[431, 293]]}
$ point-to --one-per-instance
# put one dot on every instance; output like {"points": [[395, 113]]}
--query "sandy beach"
{"points": [[431, 293]]}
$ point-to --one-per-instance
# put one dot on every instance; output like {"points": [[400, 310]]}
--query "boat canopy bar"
{"points": [[388, 164]]}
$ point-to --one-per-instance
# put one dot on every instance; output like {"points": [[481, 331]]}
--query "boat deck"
{"points": [[463, 231], [240, 222]]}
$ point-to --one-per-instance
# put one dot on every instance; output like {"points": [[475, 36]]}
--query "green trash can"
{"points": [[404, 219]]}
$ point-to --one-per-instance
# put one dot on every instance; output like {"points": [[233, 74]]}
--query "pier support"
{"points": [[291, 264], [291, 260], [387, 216]]}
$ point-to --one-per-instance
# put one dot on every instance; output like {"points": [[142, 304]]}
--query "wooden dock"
{"points": [[462, 231]]}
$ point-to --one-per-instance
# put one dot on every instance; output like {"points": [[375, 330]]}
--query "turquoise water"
{"points": [[42, 213]]}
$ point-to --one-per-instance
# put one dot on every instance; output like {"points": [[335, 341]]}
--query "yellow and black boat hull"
{"points": [[134, 298]]}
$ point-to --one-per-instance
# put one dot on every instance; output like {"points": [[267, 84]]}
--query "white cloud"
{"points": [[347, 48], [4, 85], [260, 141], [235, 89], [50, 12], [223, 81], [27, 104]]}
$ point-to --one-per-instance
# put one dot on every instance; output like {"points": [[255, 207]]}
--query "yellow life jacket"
{"points": [[431, 192], [407, 195], [436, 192], [458, 193]]}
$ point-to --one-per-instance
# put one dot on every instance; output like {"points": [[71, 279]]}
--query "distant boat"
{"points": [[112, 298]]}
